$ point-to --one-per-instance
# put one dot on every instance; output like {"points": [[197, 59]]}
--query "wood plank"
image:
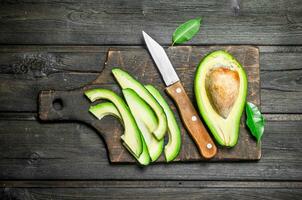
{"points": [[12, 89], [281, 75], [283, 117], [34, 150], [121, 22], [142, 192], [28, 69], [147, 184], [40, 61]]}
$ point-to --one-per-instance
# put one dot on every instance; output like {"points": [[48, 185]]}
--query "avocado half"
{"points": [[220, 88]]}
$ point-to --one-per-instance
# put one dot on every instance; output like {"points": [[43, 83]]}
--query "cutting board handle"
{"points": [[74, 106], [59, 105]]}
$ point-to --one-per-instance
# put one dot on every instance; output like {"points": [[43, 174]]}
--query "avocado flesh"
{"points": [[144, 158], [146, 121], [220, 88], [127, 81], [107, 108], [132, 134], [103, 109], [173, 146]]}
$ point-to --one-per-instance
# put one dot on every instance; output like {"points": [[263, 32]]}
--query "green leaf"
{"points": [[186, 31], [255, 120]]}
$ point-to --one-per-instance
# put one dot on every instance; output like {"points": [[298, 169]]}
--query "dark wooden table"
{"points": [[62, 45]]}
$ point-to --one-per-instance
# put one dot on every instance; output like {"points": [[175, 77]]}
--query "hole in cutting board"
{"points": [[57, 104]]}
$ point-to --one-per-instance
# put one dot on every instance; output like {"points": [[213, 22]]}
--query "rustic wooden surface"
{"points": [[62, 45], [138, 62]]}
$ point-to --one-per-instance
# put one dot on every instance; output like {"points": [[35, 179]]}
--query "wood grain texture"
{"points": [[195, 128], [161, 190], [148, 184], [34, 150], [22, 69], [30, 149], [139, 64], [121, 22]]}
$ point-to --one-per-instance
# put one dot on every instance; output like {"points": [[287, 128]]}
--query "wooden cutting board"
{"points": [[73, 105]]}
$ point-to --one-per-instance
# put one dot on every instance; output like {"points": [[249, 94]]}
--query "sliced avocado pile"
{"points": [[132, 135], [220, 88], [107, 108], [125, 80], [146, 118], [146, 121]]}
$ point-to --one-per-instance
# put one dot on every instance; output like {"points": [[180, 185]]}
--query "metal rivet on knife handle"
{"points": [[178, 90]]}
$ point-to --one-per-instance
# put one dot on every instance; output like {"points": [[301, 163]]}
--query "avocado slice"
{"points": [[103, 109], [146, 121], [220, 88], [132, 135], [125, 80], [107, 108], [173, 146], [144, 158]]}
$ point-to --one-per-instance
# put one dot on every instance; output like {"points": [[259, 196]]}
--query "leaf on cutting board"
{"points": [[186, 31], [255, 120]]}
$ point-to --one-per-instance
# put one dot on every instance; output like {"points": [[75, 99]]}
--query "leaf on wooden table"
{"points": [[186, 31], [255, 120]]}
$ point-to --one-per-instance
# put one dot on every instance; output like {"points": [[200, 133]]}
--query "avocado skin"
{"points": [[236, 111]]}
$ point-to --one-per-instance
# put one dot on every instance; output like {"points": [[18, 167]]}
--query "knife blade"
{"points": [[176, 91]]}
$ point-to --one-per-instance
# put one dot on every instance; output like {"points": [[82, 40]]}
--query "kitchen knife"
{"points": [[177, 92]]}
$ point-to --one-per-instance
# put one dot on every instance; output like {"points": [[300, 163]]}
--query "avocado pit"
{"points": [[222, 86]]}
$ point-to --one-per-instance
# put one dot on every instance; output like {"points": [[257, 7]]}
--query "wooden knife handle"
{"points": [[191, 120]]}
